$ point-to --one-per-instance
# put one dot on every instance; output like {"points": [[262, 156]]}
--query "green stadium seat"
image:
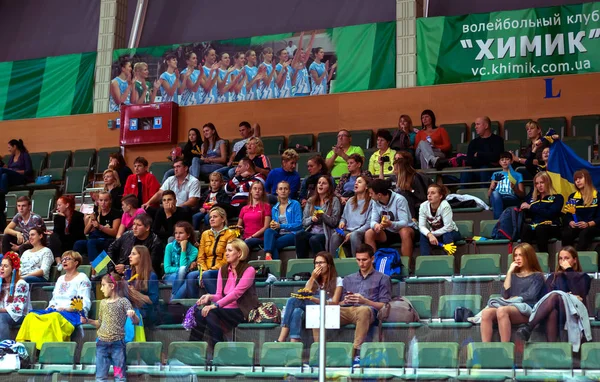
{"points": [[382, 355], [185, 301], [144, 354], [39, 305], [302, 140], [405, 265], [84, 158], [273, 145], [53, 357], [465, 227], [103, 157], [362, 138], [481, 193], [88, 353], [588, 261], [158, 169], [585, 126], [422, 305], [495, 129], [457, 133], [513, 145], [234, 354], [59, 159], [76, 180], [275, 161], [489, 361], [282, 354], [485, 230], [339, 354], [462, 148], [189, 354], [434, 266], [273, 265], [302, 163], [94, 309], [597, 303], [57, 174], [430, 357], [480, 265], [31, 350], [368, 153], [515, 130], [590, 358], [43, 202], [38, 161], [540, 357], [559, 124], [448, 304], [345, 267], [582, 146], [325, 141], [542, 259], [298, 266]]}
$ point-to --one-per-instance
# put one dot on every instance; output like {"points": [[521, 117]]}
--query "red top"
{"points": [[149, 186], [440, 139], [253, 218]]}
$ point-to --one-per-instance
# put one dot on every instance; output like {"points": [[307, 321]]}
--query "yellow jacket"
{"points": [[211, 251]]}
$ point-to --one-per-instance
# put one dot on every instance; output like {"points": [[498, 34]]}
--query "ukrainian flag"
{"points": [[100, 262], [562, 164]]}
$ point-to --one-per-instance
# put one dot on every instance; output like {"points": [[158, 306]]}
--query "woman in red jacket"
{"points": [[432, 143], [141, 177]]}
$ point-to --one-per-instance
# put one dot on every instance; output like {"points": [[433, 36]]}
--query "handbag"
{"points": [[43, 179], [9, 361], [266, 313], [461, 314], [262, 273]]}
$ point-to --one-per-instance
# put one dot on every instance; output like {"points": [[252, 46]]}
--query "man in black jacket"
{"points": [[483, 152], [139, 234]]}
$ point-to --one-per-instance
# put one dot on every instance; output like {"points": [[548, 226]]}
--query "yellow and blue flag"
{"points": [[101, 261]]}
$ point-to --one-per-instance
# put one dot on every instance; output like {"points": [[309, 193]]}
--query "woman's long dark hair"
{"points": [[18, 144], [328, 280], [206, 143], [189, 145]]}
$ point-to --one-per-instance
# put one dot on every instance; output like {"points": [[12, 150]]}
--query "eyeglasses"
{"points": [[320, 262], [65, 259]]}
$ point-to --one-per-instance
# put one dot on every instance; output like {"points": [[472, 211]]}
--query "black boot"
{"points": [[524, 332]]}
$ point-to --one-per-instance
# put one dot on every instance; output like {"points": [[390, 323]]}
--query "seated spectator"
{"points": [[534, 134], [587, 213], [214, 151], [180, 259], [112, 185], [102, 228], [211, 253], [356, 218], [525, 280], [544, 209], [391, 221], [18, 170], [235, 296], [404, 138], [130, 211], [286, 220], [16, 233], [506, 188], [366, 291], [192, 151], [567, 278], [432, 143], [142, 184], [117, 163], [255, 216], [239, 186], [435, 220], [37, 261], [483, 152], [239, 149], [323, 276], [409, 183], [214, 195], [185, 187], [167, 217], [287, 172], [530, 162], [345, 186], [57, 322], [144, 280], [316, 168], [140, 234], [69, 227], [14, 296], [320, 218], [381, 162], [337, 158], [256, 153]]}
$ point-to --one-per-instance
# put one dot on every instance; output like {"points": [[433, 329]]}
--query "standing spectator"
{"points": [[316, 168], [144, 280], [185, 187], [337, 158], [287, 172], [286, 221], [16, 233], [14, 295], [534, 134], [18, 170], [167, 217], [214, 151], [239, 148], [117, 162], [214, 195], [432, 143], [240, 185], [356, 218], [506, 189], [587, 212], [37, 261], [404, 137], [544, 209], [112, 185], [255, 216], [411, 184], [381, 162], [483, 152], [142, 184], [391, 221], [321, 216], [69, 226], [130, 211], [435, 220], [256, 153], [345, 186], [180, 259]]}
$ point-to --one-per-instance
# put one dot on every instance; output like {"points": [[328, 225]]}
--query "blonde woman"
{"points": [[142, 92], [587, 213]]}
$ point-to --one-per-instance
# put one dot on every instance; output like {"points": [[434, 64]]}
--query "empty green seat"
{"points": [[345, 267], [43, 202], [480, 264], [363, 138], [382, 355], [513, 145], [273, 145], [54, 357], [448, 304], [158, 169], [542, 259], [273, 265], [306, 140], [559, 124], [485, 230], [588, 261], [38, 161], [368, 153], [585, 126], [582, 146], [325, 141], [143, 353], [282, 354], [88, 353], [405, 265], [465, 227], [590, 357], [481, 193], [429, 357], [103, 157], [234, 354], [84, 158], [76, 180], [539, 357], [295, 266], [457, 132], [59, 159], [434, 266], [183, 353], [515, 129], [275, 161], [489, 361], [422, 305], [339, 354]]}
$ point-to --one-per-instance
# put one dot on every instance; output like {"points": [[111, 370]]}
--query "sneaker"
{"points": [[268, 257], [356, 362], [524, 332]]}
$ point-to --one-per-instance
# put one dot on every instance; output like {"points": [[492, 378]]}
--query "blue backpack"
{"points": [[387, 260], [508, 225]]}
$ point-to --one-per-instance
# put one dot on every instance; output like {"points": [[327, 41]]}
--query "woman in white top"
{"points": [[14, 295], [37, 261], [435, 220], [59, 320], [323, 276]]}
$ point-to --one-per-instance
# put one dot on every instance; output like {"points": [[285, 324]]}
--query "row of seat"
{"points": [[422, 360]]}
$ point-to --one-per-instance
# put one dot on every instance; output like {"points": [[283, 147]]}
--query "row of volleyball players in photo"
{"points": [[221, 81]]}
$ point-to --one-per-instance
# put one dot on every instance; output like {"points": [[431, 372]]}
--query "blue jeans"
{"points": [[198, 218], [450, 237], [110, 353], [208, 168], [10, 178], [499, 202], [253, 242], [274, 241], [472, 177], [225, 172], [34, 279], [192, 287], [305, 241], [92, 247], [292, 318], [195, 167], [178, 281], [6, 322]]}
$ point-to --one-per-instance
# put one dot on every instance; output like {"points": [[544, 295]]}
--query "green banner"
{"points": [[47, 87], [511, 44]]}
